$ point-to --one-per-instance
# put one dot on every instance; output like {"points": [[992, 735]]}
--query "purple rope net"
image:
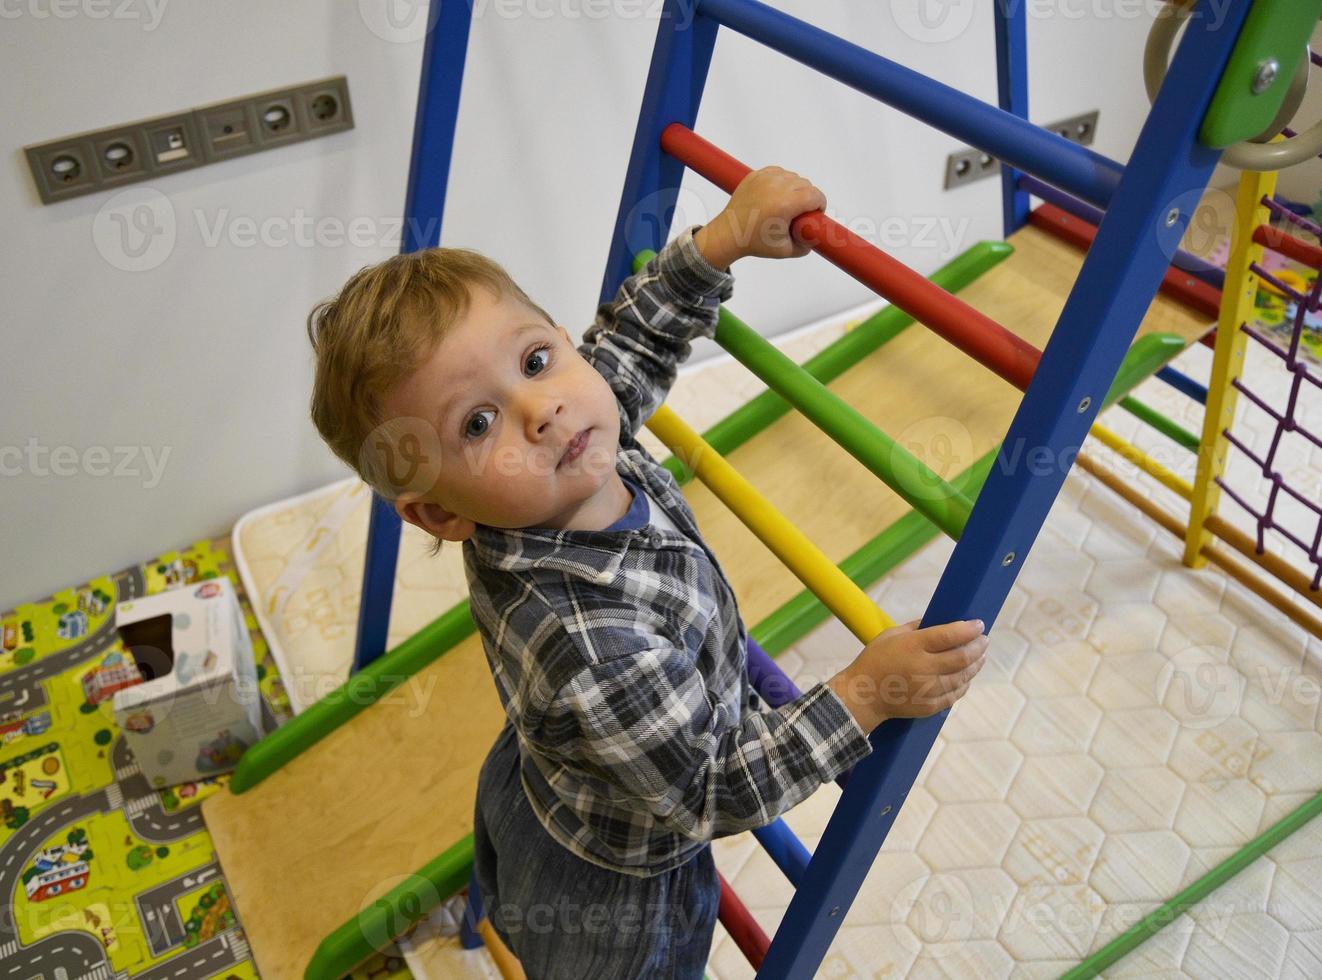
{"points": [[1285, 421]]}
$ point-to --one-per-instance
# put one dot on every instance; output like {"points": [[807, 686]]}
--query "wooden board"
{"points": [[318, 841], [304, 851]]}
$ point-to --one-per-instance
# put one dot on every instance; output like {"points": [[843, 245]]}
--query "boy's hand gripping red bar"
{"points": [[979, 336]]}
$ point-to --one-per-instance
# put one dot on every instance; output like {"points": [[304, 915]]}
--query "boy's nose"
{"points": [[540, 412]]}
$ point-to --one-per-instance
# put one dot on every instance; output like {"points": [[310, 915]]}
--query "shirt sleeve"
{"points": [[647, 726], [639, 338]]}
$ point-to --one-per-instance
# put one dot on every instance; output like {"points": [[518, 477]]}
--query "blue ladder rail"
{"points": [[443, 54]]}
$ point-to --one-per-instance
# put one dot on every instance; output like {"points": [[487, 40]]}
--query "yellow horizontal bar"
{"points": [[837, 591], [1143, 461]]}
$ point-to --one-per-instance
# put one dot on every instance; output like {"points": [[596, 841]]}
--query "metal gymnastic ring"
{"points": [[1255, 154]]}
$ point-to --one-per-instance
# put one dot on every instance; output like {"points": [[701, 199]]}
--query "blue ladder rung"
{"points": [[785, 849], [1004, 135], [1183, 383]]}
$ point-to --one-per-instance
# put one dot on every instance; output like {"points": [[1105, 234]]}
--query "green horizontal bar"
{"points": [[376, 926], [359, 692], [1167, 427], [837, 357], [920, 487], [1145, 356], [1152, 923]]}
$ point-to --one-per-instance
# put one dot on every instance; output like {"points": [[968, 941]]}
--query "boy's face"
{"points": [[507, 394]]}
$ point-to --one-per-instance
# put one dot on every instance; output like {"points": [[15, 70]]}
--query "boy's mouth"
{"points": [[575, 447]]}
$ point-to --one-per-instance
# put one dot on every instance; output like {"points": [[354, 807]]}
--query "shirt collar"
{"points": [[591, 555]]}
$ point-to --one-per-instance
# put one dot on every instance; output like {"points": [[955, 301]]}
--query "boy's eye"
{"points": [[537, 360], [540, 355], [476, 424]]}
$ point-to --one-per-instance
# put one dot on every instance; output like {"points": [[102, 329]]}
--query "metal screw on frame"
{"points": [[1265, 75]]}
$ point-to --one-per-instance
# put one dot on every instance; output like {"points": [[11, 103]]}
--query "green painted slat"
{"points": [[1171, 909], [1166, 426], [916, 484], [376, 926]]}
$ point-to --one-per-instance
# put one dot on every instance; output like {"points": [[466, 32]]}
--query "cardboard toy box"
{"points": [[198, 707]]}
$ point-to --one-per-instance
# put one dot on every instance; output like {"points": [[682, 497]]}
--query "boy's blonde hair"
{"points": [[385, 322]]}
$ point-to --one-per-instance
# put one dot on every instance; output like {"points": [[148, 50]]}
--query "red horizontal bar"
{"points": [[1288, 245], [976, 334], [741, 925], [1199, 296]]}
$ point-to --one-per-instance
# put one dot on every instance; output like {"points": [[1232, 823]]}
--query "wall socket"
{"points": [[969, 165], [149, 148]]}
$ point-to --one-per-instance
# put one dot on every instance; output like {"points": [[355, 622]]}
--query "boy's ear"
{"points": [[433, 518]]}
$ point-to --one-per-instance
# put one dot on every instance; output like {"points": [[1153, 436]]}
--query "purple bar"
{"points": [[1225, 488], [1275, 477], [1184, 261], [775, 687], [1263, 522], [1270, 474], [1281, 211], [1262, 273], [1290, 422], [1291, 134], [772, 683], [1314, 297]]}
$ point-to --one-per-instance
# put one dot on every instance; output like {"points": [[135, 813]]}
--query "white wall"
{"points": [[204, 356]]}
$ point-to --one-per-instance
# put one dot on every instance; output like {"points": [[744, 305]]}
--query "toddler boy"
{"points": [[633, 737]]}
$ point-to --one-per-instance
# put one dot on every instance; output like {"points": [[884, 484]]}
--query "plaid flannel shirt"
{"points": [[620, 655]]}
